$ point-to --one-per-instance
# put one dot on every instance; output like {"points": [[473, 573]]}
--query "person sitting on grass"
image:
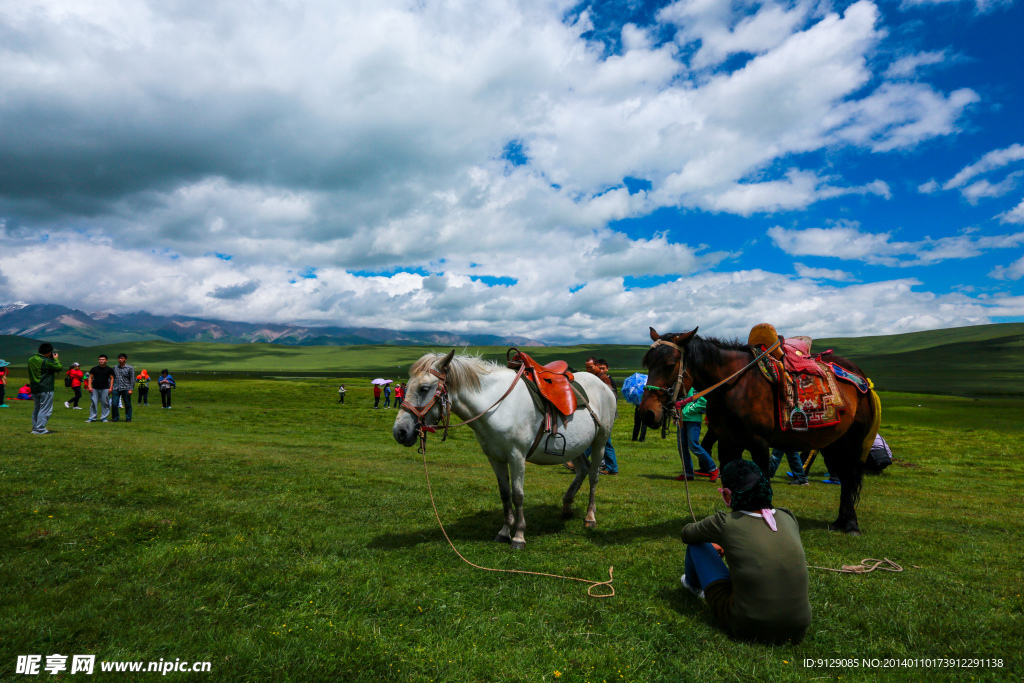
{"points": [[25, 393], [763, 594]]}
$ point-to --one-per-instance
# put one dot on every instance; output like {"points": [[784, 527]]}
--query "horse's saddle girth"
{"points": [[552, 380]]}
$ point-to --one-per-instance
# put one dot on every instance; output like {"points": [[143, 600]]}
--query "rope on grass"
{"points": [[593, 584], [864, 567]]}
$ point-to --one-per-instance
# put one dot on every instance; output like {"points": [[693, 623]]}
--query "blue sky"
{"points": [[564, 171]]}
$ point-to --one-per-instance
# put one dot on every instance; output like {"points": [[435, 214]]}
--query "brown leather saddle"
{"points": [[551, 380]]}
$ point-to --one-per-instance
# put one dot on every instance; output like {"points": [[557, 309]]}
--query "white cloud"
{"points": [[604, 309], [1014, 271], [980, 6], [822, 273], [993, 160], [1014, 215], [909, 65], [368, 136], [848, 242]]}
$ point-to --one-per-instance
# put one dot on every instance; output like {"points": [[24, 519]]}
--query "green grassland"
{"points": [[263, 527], [979, 361]]}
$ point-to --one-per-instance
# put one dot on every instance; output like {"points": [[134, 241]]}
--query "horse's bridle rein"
{"points": [[441, 396], [678, 386], [676, 404]]}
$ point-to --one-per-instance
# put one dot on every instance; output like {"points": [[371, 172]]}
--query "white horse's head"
{"points": [[422, 391]]}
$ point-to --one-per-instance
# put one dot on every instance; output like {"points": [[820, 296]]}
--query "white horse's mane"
{"points": [[463, 372]]}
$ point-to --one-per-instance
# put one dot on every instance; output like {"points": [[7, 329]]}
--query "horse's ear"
{"points": [[683, 339], [654, 335], [447, 359]]}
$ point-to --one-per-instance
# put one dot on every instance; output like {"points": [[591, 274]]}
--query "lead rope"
{"points": [[593, 584]]}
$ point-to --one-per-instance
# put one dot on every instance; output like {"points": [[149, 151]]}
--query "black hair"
{"points": [[123, 355], [165, 371], [45, 348], [602, 361], [102, 355]]}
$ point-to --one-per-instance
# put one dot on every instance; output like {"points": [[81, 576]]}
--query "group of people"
{"points": [[110, 387], [384, 391]]}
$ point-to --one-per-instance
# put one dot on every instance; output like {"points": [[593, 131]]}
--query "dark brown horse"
{"points": [[743, 411]]}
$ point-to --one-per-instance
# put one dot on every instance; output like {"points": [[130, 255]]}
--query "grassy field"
{"points": [[262, 527], [979, 361]]}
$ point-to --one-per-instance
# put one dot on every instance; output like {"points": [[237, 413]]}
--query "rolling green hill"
{"points": [[984, 360], [15, 347]]}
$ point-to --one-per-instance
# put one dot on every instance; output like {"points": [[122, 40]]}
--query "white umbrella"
{"points": [[381, 381]]}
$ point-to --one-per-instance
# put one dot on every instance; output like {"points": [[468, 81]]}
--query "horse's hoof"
{"points": [[502, 538], [853, 532], [590, 525], [518, 545]]}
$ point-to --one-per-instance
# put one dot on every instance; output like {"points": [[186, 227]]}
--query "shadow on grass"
{"points": [[807, 523], [663, 477], [684, 603], [482, 525]]}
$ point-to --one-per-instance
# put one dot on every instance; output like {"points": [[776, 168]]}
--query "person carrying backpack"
{"points": [[143, 383]]}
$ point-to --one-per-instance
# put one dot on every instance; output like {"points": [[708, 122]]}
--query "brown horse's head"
{"points": [[663, 363]]}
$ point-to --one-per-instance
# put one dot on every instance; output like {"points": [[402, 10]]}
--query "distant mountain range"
{"points": [[56, 323]]}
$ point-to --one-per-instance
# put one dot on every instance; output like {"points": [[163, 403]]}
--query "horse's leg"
{"points": [[759, 454], [843, 460], [728, 451], [500, 468], [517, 473], [582, 468], [596, 453]]}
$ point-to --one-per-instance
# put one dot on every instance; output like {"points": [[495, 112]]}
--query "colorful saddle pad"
{"points": [[817, 396]]}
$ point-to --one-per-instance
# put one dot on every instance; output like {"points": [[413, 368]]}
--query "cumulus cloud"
{"points": [[373, 136], [603, 309], [848, 242], [908, 66]]}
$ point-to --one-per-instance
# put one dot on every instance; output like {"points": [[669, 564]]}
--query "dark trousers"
{"points": [[376, 401], [341, 398], [165, 397], [115, 398], [78, 396], [638, 426], [143, 395], [3, 391]]}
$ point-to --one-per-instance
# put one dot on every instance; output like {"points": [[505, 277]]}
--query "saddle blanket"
{"points": [[816, 395], [852, 377]]}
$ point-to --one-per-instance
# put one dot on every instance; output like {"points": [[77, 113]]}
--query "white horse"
{"points": [[507, 431]]}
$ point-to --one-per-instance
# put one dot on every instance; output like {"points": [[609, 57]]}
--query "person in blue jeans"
{"points": [[763, 595], [689, 441], [796, 465]]}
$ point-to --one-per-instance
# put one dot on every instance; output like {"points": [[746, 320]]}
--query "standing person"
{"points": [[341, 393], [376, 396], [99, 379], [763, 594], [387, 395], [639, 426], [121, 391], [75, 374], [142, 379], [3, 382], [165, 383], [399, 394], [42, 368], [796, 465], [689, 441]]}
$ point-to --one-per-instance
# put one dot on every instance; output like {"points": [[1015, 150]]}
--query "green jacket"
{"points": [[694, 412], [41, 371]]}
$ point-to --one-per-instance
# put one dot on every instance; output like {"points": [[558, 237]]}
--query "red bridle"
{"points": [[420, 413]]}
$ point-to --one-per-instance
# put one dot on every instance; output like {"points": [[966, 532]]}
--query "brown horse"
{"points": [[743, 411]]}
